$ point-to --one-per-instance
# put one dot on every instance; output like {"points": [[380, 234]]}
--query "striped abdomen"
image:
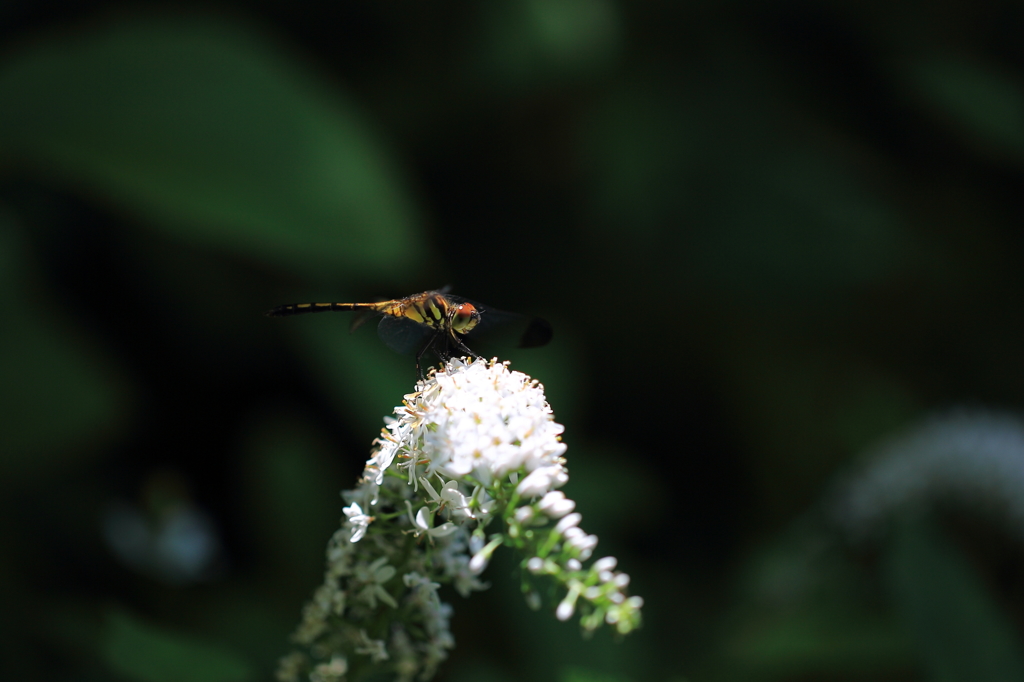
{"points": [[301, 308]]}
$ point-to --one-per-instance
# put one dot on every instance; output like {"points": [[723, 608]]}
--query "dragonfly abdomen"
{"points": [[302, 308]]}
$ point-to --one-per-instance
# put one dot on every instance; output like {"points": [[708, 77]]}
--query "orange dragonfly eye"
{"points": [[465, 318]]}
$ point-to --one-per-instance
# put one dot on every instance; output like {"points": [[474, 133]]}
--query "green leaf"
{"points": [[818, 642], [576, 674], [60, 395], [804, 614], [293, 481], [213, 135], [542, 41], [985, 104], [143, 653], [960, 632], [802, 222]]}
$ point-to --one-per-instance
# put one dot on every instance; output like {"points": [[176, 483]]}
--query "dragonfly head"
{"points": [[464, 318]]}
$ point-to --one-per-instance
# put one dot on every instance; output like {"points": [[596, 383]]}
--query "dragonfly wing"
{"points": [[538, 333], [403, 335], [360, 318], [504, 329]]}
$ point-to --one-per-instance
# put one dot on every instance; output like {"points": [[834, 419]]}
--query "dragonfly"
{"points": [[432, 321]]}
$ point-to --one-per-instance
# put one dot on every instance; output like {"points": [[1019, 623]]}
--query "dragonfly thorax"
{"points": [[438, 312]]}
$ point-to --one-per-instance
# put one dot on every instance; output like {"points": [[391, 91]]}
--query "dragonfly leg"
{"points": [[463, 347], [419, 356]]}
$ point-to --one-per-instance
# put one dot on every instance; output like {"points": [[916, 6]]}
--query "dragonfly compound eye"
{"points": [[465, 318]]}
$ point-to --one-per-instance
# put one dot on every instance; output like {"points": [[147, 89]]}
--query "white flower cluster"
{"points": [[975, 459], [474, 444]]}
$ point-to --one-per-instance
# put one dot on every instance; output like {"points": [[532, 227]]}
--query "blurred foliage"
{"points": [[960, 631], [987, 107], [214, 137], [136, 651], [766, 234], [57, 378]]}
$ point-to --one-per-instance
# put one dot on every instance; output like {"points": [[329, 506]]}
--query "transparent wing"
{"points": [[403, 335], [501, 328]]}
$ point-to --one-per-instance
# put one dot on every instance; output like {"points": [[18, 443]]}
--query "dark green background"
{"points": [[767, 235]]}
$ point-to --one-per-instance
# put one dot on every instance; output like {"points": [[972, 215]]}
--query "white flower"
{"points": [[450, 497], [358, 520], [332, 671], [383, 459], [567, 522], [568, 605], [374, 648], [473, 426], [583, 544], [373, 578], [543, 480], [403, 653], [423, 594], [479, 561], [555, 504], [524, 515], [290, 667], [571, 533], [452, 556], [340, 553], [970, 457], [421, 585], [482, 503], [477, 419], [625, 614], [423, 522]]}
